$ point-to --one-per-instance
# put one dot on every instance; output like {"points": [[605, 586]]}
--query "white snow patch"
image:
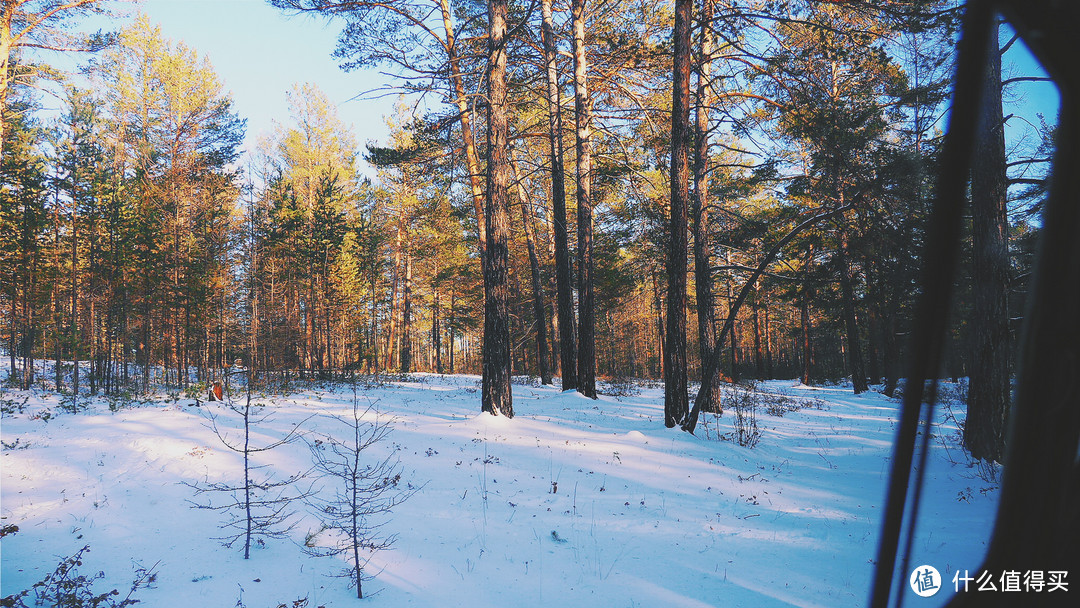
{"points": [[573, 502]]}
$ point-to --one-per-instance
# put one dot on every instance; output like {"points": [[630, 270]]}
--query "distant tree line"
{"points": [[692, 191]]}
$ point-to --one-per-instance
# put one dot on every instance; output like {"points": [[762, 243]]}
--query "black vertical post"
{"points": [[940, 256]]}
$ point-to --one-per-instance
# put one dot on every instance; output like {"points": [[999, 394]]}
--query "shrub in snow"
{"points": [[65, 587], [743, 399]]}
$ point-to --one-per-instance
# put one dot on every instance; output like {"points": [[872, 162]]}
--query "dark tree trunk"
{"points": [[733, 335], [14, 331], [391, 336], [676, 399], [989, 391], [563, 281], [496, 396], [759, 356], [436, 334], [536, 282], [876, 293], [851, 329], [74, 335], [891, 362], [658, 307], [804, 311], [768, 342], [703, 283], [55, 301], [309, 326], [586, 363], [406, 319], [450, 326]]}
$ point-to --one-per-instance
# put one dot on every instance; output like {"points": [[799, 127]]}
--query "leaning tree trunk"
{"points": [[496, 396], [733, 310], [586, 363], [563, 283], [676, 398], [989, 392]]}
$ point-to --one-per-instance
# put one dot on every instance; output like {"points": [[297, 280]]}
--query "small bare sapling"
{"points": [[260, 506], [355, 490]]}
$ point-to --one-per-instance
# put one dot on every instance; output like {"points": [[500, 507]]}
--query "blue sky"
{"points": [[260, 53]]}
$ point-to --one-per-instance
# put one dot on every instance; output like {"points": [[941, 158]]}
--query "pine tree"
{"points": [[990, 388], [496, 397]]}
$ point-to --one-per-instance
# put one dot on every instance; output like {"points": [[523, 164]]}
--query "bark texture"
{"points": [[564, 293], [496, 396], [989, 390], [676, 399], [586, 362]]}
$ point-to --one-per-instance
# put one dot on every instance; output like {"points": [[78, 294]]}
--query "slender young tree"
{"points": [[363, 491], [259, 506]]}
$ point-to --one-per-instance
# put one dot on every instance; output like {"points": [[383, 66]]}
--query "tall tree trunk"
{"points": [[436, 334], [391, 336], [13, 327], [875, 294], [537, 284], [892, 354], [733, 335], [703, 283], [990, 380], [56, 305], [563, 282], [472, 159], [804, 310], [873, 347], [496, 397], [851, 328], [759, 356], [93, 322], [373, 342], [406, 318], [768, 341], [450, 325], [327, 318], [74, 335], [586, 363], [309, 326], [676, 398]]}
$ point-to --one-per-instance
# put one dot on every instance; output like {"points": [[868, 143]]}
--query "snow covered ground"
{"points": [[573, 502]]}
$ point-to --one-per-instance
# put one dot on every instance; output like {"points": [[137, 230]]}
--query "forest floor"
{"points": [[573, 502]]}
